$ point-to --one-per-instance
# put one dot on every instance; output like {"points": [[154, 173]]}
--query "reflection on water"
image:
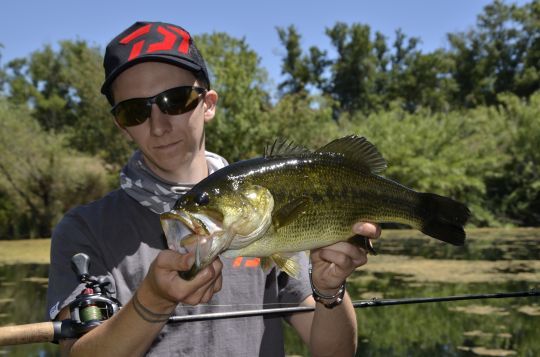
{"points": [[481, 244], [22, 301], [505, 327], [450, 329], [492, 261], [411, 265]]}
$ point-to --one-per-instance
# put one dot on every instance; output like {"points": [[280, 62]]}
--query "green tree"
{"points": [[515, 192], [468, 72], [39, 178], [306, 120], [2, 72], [301, 70], [528, 79], [416, 79], [294, 66], [237, 131], [382, 68], [93, 131], [63, 89], [450, 154], [9, 217], [501, 54], [367, 74], [353, 71]]}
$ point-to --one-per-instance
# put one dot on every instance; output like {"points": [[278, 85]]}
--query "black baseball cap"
{"points": [[151, 41]]}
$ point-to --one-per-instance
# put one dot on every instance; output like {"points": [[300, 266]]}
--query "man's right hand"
{"points": [[162, 289], [127, 333]]}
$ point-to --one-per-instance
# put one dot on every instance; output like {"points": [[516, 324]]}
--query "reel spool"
{"points": [[95, 303]]}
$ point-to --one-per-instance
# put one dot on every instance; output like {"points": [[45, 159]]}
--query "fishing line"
{"points": [[357, 304]]}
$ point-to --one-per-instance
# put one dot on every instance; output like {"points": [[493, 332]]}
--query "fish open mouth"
{"points": [[193, 233]]}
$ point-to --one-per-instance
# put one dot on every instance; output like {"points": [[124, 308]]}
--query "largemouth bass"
{"points": [[293, 199]]}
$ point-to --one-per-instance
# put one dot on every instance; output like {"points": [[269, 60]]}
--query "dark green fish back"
{"points": [[319, 196], [338, 196]]}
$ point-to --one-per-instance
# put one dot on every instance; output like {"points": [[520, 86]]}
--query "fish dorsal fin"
{"points": [[283, 147], [358, 150]]}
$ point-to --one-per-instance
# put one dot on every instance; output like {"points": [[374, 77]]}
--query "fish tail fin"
{"points": [[443, 218]]}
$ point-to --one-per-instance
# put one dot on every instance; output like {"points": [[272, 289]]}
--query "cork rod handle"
{"points": [[30, 333]]}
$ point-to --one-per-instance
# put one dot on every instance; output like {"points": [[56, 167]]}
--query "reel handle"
{"points": [[80, 262]]}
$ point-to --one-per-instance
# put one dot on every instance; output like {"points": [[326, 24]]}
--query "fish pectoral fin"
{"points": [[267, 263], [362, 242], [287, 264], [290, 212]]}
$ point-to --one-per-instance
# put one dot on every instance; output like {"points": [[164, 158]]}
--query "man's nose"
{"points": [[160, 123]]}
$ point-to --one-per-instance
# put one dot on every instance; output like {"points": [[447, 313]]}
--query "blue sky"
{"points": [[26, 25]]}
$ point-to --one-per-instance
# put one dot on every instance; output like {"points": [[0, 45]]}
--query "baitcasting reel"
{"points": [[92, 306]]}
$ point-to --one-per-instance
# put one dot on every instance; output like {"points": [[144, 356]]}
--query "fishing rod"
{"points": [[357, 304], [90, 308], [56, 330], [95, 304]]}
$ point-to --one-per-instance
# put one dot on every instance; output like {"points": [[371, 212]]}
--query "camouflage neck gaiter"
{"points": [[153, 192]]}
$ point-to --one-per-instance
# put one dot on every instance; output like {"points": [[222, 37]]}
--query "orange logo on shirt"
{"points": [[247, 263]]}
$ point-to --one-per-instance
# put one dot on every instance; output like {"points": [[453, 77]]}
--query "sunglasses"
{"points": [[173, 101]]}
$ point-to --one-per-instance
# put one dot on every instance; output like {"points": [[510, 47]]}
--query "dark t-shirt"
{"points": [[122, 238]]}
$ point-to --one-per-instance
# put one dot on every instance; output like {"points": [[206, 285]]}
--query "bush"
{"points": [[39, 177], [451, 154]]}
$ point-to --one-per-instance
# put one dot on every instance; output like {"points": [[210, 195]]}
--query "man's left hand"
{"points": [[332, 265]]}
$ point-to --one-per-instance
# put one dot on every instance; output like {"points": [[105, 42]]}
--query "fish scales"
{"points": [[340, 196], [293, 199]]}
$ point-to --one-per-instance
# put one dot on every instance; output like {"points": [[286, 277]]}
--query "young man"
{"points": [[158, 85]]}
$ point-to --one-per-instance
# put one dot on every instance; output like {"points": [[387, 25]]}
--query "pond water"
{"points": [[408, 265]]}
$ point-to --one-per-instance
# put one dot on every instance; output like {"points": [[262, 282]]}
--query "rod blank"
{"points": [[51, 331], [357, 305]]}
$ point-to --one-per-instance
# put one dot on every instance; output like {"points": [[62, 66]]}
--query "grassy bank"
{"points": [[25, 251], [28, 251]]}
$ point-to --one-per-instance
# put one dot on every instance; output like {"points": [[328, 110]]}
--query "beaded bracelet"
{"points": [[320, 297]]}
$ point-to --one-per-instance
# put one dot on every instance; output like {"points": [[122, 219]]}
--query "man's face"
{"points": [[172, 145]]}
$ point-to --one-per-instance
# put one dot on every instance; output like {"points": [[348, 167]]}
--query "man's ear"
{"points": [[210, 103]]}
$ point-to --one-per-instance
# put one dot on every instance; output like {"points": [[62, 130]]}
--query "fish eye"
{"points": [[202, 199]]}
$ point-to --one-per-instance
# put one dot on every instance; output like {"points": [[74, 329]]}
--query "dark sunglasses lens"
{"points": [[178, 100], [132, 112]]}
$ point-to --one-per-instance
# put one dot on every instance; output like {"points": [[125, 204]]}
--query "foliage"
{"points": [[501, 54], [63, 89], [237, 131], [39, 177], [2, 72], [304, 120], [354, 69], [301, 71], [460, 121], [449, 154], [515, 194]]}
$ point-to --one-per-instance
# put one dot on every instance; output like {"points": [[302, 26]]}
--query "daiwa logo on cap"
{"points": [[171, 35], [151, 41]]}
